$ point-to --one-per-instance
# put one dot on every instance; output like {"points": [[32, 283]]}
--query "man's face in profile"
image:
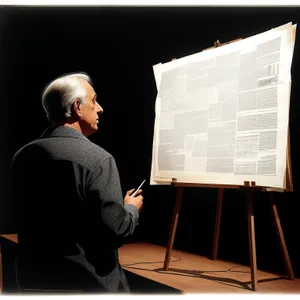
{"points": [[90, 110]]}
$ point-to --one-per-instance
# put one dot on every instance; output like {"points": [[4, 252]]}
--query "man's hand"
{"points": [[137, 200]]}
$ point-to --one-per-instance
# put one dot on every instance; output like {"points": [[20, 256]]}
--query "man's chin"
{"points": [[91, 131], [94, 129]]}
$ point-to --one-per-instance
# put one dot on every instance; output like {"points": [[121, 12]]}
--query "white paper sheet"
{"points": [[222, 115]]}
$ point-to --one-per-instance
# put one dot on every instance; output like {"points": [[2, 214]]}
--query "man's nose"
{"points": [[99, 109]]}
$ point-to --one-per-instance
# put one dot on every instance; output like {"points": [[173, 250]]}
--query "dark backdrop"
{"points": [[118, 46]]}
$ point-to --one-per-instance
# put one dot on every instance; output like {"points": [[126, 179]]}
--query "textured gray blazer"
{"points": [[71, 216]]}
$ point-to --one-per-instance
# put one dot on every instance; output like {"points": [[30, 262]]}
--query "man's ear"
{"points": [[77, 107]]}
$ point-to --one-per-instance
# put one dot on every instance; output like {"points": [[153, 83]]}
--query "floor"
{"points": [[191, 273]]}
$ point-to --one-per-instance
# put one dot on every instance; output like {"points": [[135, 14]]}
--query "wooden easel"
{"points": [[249, 187]]}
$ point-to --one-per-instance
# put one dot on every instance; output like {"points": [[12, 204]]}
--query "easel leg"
{"points": [[280, 235], [173, 227], [251, 237], [217, 224]]}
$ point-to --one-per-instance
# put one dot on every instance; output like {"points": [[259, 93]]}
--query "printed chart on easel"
{"points": [[222, 115]]}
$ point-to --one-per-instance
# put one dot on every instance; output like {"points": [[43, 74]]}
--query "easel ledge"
{"points": [[247, 185]]}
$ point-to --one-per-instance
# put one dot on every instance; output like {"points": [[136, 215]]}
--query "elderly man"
{"points": [[71, 215]]}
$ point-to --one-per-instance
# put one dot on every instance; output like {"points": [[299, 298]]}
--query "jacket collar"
{"points": [[62, 131]]}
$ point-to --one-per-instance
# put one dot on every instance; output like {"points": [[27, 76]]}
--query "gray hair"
{"points": [[59, 95]]}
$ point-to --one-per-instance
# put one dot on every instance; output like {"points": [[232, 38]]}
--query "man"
{"points": [[71, 216]]}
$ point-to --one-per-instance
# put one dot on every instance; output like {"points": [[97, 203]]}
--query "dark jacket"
{"points": [[70, 213]]}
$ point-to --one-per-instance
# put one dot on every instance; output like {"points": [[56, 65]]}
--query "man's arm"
{"points": [[106, 196]]}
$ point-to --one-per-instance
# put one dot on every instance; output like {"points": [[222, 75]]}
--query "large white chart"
{"points": [[222, 115]]}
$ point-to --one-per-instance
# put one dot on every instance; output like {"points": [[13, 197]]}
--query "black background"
{"points": [[117, 47]]}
